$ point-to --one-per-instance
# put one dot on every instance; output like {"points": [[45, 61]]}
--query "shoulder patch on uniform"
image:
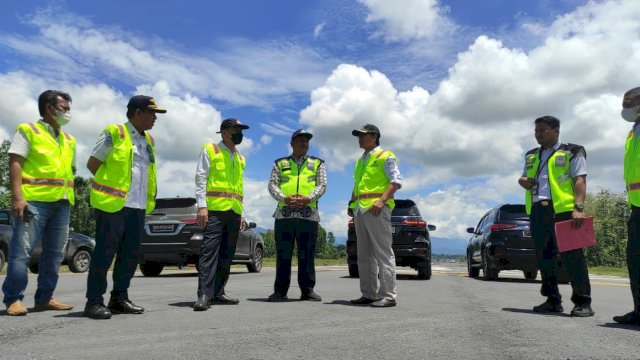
{"points": [[575, 149], [277, 161], [316, 158], [532, 151]]}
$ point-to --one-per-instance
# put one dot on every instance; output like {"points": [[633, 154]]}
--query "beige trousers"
{"points": [[375, 255]]}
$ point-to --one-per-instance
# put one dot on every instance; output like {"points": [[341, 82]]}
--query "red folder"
{"points": [[571, 239]]}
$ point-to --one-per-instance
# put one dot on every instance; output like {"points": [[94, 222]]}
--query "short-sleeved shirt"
{"points": [[577, 167], [137, 195]]}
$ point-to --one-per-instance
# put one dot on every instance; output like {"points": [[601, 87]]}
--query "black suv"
{"points": [[77, 253], [502, 241], [172, 237], [411, 241]]}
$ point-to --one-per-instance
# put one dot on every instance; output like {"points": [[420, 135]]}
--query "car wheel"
{"points": [[530, 274], [424, 271], [3, 259], [490, 273], [473, 272], [353, 271], [151, 268], [256, 262], [80, 261], [33, 267]]}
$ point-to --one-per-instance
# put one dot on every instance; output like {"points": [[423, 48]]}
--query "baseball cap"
{"points": [[301, 132], [366, 129], [231, 122], [142, 102]]}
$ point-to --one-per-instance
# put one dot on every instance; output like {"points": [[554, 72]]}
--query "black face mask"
{"points": [[236, 138]]}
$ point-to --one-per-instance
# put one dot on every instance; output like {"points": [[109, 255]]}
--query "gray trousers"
{"points": [[375, 255]]}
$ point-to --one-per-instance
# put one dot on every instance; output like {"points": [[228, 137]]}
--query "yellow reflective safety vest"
{"points": [[110, 186], [560, 182], [224, 183], [632, 169], [371, 180], [47, 173], [296, 180]]}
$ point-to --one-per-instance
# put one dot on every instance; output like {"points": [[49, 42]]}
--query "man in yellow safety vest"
{"points": [[41, 170], [219, 193], [123, 190]]}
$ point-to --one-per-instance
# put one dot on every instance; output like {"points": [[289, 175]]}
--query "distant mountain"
{"points": [[448, 246]]}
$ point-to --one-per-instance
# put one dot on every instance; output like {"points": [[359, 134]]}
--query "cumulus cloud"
{"points": [[318, 29], [409, 19]]}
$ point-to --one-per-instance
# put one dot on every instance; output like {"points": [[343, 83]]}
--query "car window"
{"points": [[176, 206], [4, 217], [406, 211], [513, 212], [482, 222]]}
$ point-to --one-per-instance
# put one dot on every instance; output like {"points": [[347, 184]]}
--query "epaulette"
{"points": [[532, 151], [316, 158], [280, 159], [575, 149]]}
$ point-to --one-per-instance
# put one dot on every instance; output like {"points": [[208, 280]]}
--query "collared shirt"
{"points": [[390, 168], [22, 147], [318, 190], [202, 173], [577, 167], [137, 195]]}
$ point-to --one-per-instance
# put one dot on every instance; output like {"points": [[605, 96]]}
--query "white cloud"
{"points": [[266, 139], [318, 29], [409, 19]]}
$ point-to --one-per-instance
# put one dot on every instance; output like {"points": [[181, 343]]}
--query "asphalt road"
{"points": [[450, 316]]}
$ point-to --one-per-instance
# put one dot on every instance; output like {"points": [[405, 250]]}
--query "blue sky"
{"points": [[453, 85]]}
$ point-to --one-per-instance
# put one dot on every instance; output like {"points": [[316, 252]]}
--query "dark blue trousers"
{"points": [[633, 256], [117, 234], [287, 233], [543, 233]]}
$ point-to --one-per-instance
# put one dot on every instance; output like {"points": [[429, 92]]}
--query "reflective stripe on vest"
{"points": [[108, 190], [370, 195], [560, 181], [220, 194], [298, 180], [225, 179], [47, 173], [371, 180]]}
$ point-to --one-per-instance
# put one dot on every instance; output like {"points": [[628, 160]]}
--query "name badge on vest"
{"points": [[310, 164], [561, 161], [285, 165]]}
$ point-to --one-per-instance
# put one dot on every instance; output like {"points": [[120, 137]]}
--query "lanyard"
{"points": [[543, 164]]}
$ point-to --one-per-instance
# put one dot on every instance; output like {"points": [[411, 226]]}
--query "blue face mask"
{"points": [[630, 114]]}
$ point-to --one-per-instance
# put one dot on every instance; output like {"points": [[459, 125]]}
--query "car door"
{"points": [[476, 238], [243, 247]]}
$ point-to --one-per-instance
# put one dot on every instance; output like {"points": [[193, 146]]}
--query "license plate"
{"points": [[527, 233], [163, 228], [393, 229]]}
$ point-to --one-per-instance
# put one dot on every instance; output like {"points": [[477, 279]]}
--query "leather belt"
{"points": [[544, 202]]}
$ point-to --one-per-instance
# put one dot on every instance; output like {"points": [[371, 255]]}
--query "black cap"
{"points": [[142, 102], [366, 129], [301, 132], [231, 122]]}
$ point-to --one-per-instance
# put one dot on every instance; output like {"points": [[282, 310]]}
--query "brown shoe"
{"points": [[53, 304], [17, 308]]}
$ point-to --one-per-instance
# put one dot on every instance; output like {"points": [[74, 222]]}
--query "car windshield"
{"points": [[174, 203], [513, 212], [405, 208]]}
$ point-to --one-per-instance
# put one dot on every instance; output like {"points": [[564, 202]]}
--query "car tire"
{"points": [[151, 268], [80, 261], [3, 259], [489, 272], [473, 272], [424, 271], [530, 274], [33, 267], [256, 261], [353, 271]]}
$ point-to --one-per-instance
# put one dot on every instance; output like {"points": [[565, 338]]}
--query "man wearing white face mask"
{"points": [[630, 108], [41, 170]]}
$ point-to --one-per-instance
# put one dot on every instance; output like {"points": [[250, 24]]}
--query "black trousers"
{"points": [[305, 233], [117, 234], [217, 252], [544, 239], [633, 256]]}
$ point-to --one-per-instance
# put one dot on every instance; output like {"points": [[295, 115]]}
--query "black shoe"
{"points": [[224, 299], [549, 307], [582, 311], [97, 312], [125, 306], [310, 296], [362, 301], [202, 304], [277, 297], [384, 303], [631, 318]]}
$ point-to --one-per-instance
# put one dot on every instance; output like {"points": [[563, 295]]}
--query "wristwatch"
{"points": [[579, 206]]}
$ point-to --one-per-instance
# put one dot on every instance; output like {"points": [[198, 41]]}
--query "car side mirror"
{"points": [[431, 227], [471, 230], [252, 225]]}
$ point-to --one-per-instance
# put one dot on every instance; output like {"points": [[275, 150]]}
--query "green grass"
{"points": [[608, 270]]}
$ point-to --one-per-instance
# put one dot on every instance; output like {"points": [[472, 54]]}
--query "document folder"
{"points": [[571, 239]]}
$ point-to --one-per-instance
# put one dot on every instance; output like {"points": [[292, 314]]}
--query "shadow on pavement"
{"points": [[75, 314], [529, 311], [615, 325], [344, 302], [189, 304]]}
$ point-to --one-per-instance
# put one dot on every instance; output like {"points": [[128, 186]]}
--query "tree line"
{"points": [[609, 210]]}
